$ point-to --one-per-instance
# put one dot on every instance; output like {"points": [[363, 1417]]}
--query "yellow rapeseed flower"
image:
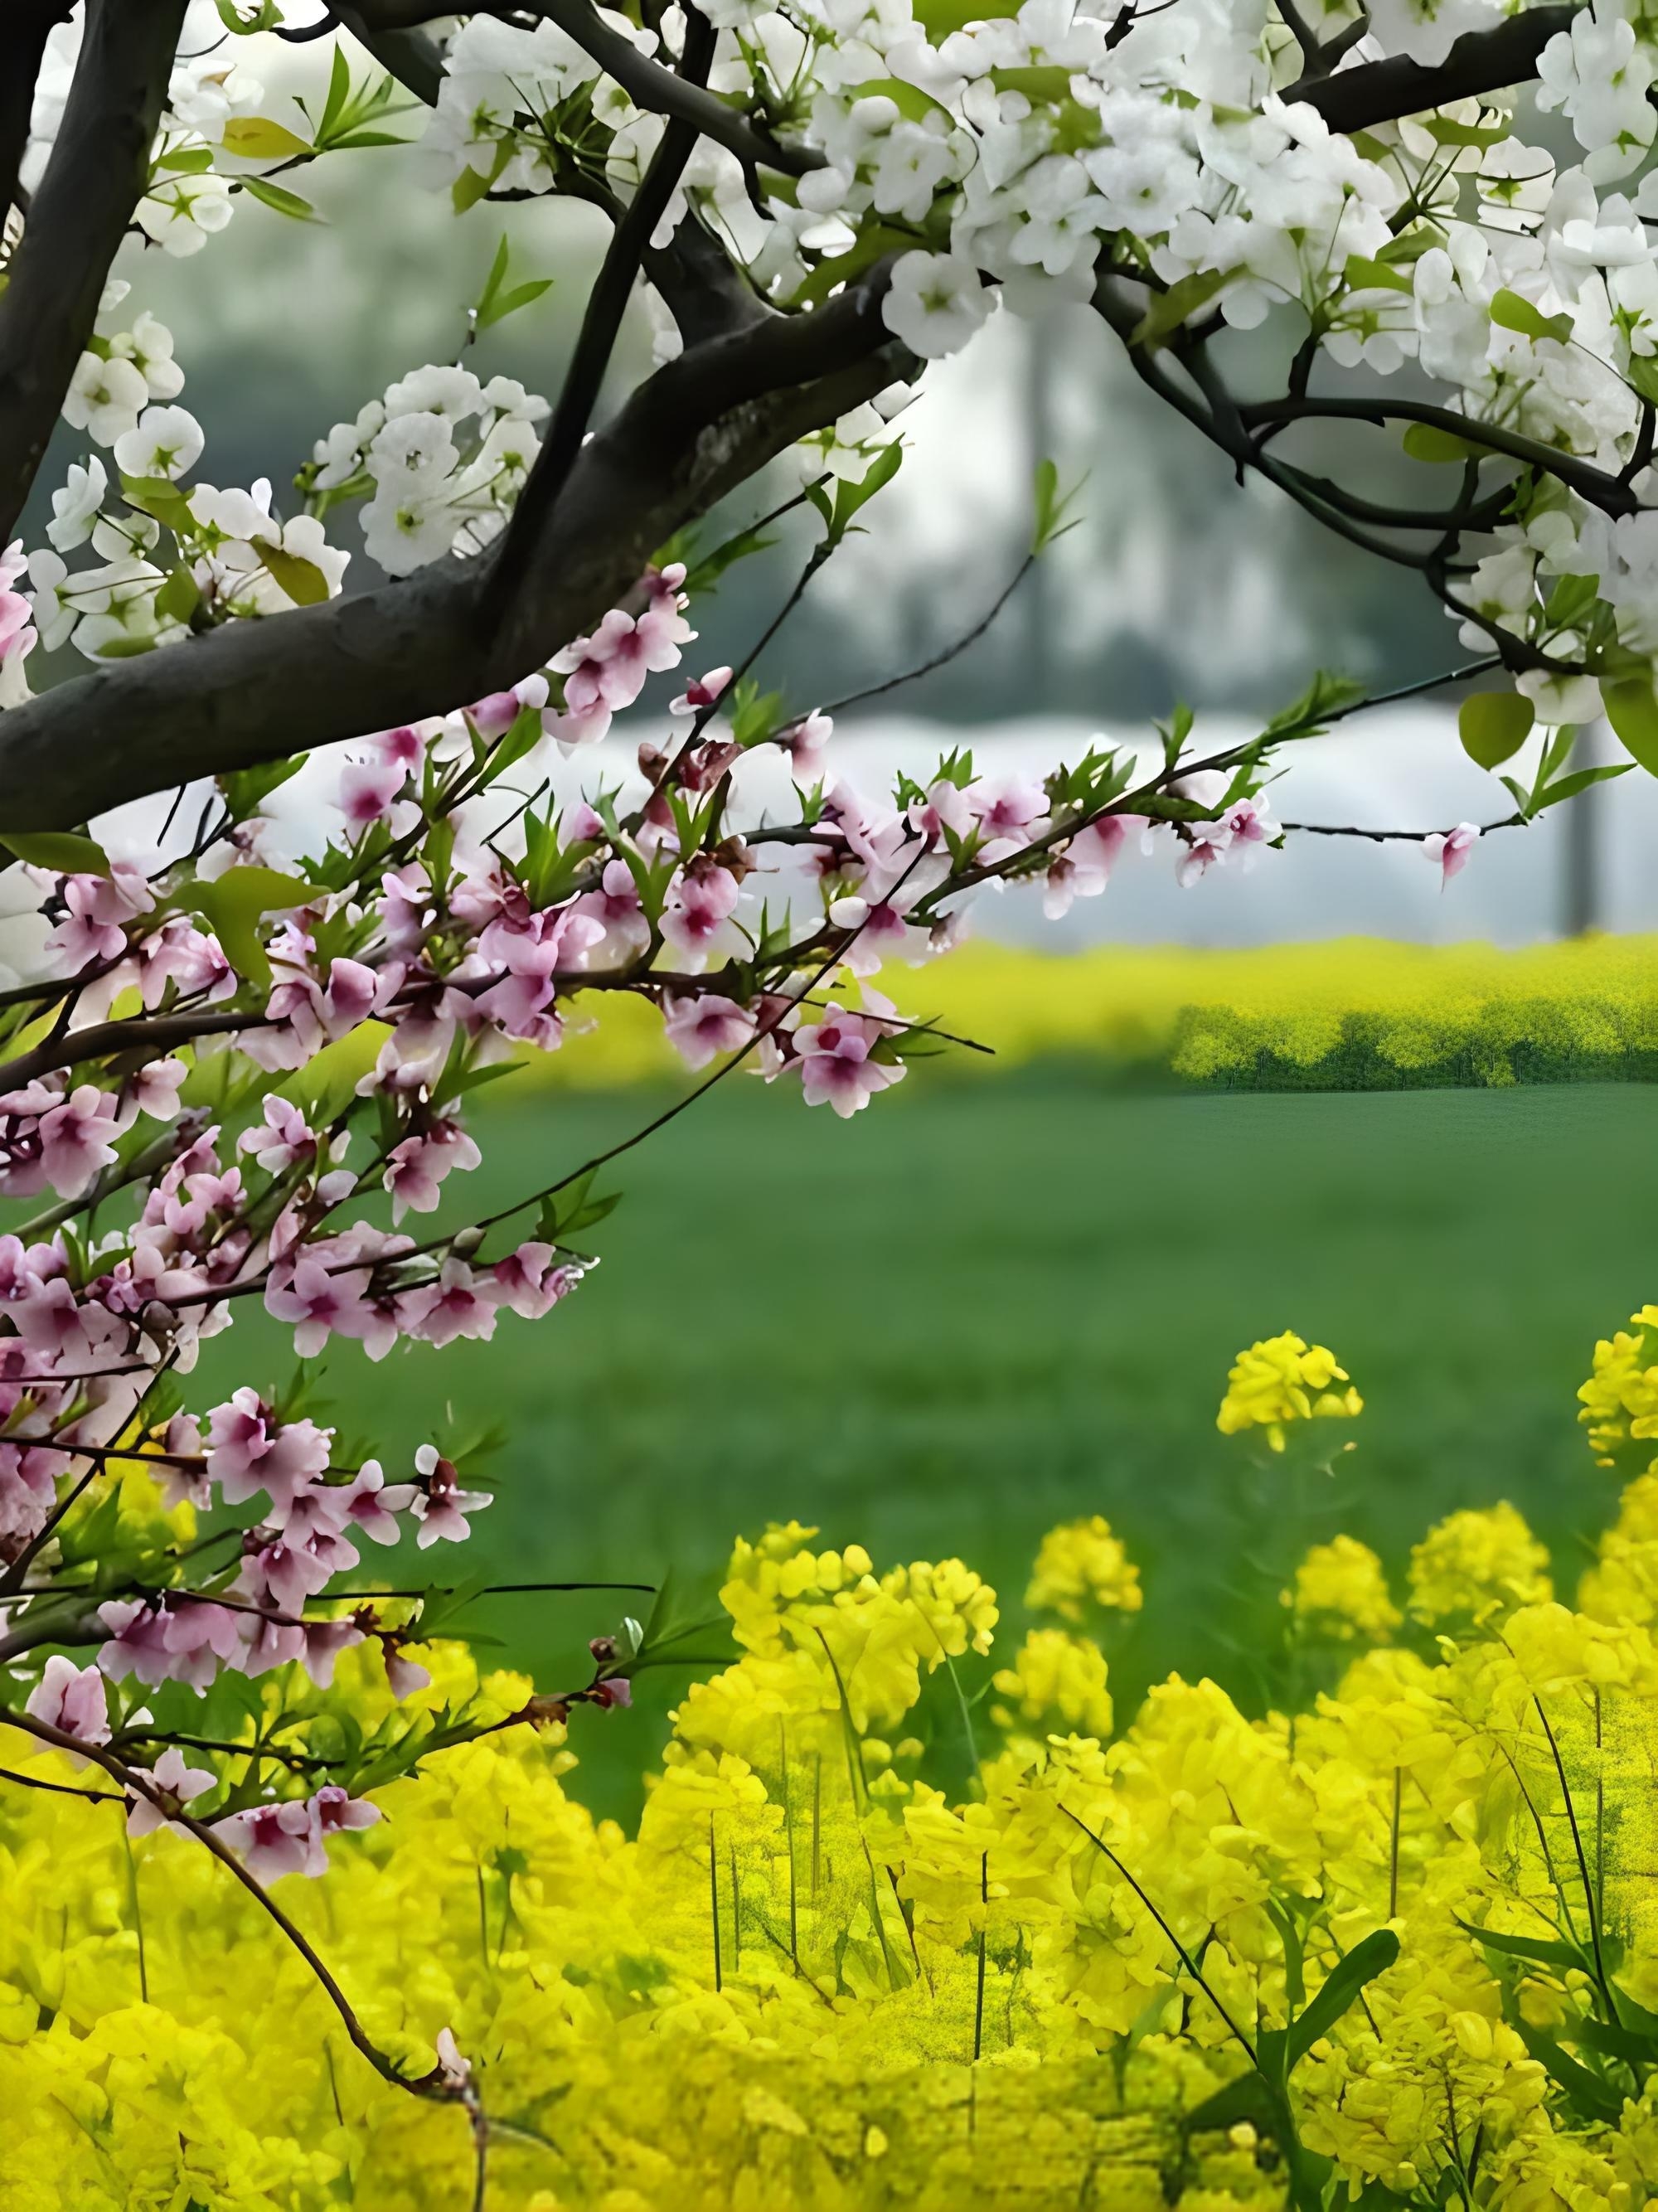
{"points": [[1082, 1563], [1283, 1379]]}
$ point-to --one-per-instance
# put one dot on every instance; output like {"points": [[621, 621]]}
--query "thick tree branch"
{"points": [[259, 690], [595, 344], [706, 291], [1608, 493], [1481, 61], [412, 55], [28, 24], [94, 182], [647, 82]]}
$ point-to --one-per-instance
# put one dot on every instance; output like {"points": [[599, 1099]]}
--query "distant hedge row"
{"points": [[1347, 1013]]}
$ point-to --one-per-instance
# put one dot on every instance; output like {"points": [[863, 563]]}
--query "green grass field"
{"points": [[980, 1309]]}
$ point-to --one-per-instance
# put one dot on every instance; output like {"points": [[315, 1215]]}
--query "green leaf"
{"points": [[1535, 1949], [160, 498], [1367, 276], [1424, 442], [246, 788], [257, 138], [1568, 786], [1632, 710], [706, 572], [303, 580], [266, 15], [497, 301], [58, 849], [1494, 725], [1245, 2097], [1052, 506], [232, 906], [1638, 2047], [1170, 309], [339, 91], [1446, 133], [180, 597], [1327, 695], [524, 736], [279, 199], [849, 497], [909, 100], [1590, 2097], [1511, 312], [471, 186], [1340, 1990]]}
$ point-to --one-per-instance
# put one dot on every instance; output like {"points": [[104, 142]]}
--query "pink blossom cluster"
{"points": [[443, 950]]}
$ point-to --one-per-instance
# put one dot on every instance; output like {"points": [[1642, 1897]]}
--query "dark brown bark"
{"points": [[94, 182], [259, 690]]}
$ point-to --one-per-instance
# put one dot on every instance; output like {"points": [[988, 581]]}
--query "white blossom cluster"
{"points": [[1173, 150], [1012, 160], [442, 456]]}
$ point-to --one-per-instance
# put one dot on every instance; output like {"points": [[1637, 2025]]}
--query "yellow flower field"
{"points": [[1346, 1010], [1399, 1946]]}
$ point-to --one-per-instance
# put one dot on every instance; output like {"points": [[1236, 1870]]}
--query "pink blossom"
{"points": [[369, 790], [154, 1089], [834, 1062], [28, 1490], [1010, 814], [324, 1641], [276, 1840], [405, 1678], [136, 1644], [528, 1282], [267, 1643], [75, 1139], [1451, 848], [701, 692], [370, 1503], [98, 909], [17, 633], [805, 743], [1206, 849], [615, 907], [50, 1320], [402, 748], [249, 1451], [200, 1637], [614, 1690], [72, 1698], [663, 621], [337, 1812], [702, 901], [701, 1028], [287, 1574], [1083, 868], [455, 2071], [319, 1303], [443, 1507], [283, 1137], [416, 1168], [171, 1781], [453, 1306], [179, 953], [183, 1484], [405, 907]]}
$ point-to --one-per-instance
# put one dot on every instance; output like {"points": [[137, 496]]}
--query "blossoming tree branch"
{"points": [[234, 1074]]}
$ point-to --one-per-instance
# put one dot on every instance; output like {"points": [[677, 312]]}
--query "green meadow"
{"points": [[980, 1309]]}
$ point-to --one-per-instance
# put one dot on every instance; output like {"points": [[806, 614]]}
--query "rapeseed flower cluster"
{"points": [[908, 1920], [1281, 1380]]}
